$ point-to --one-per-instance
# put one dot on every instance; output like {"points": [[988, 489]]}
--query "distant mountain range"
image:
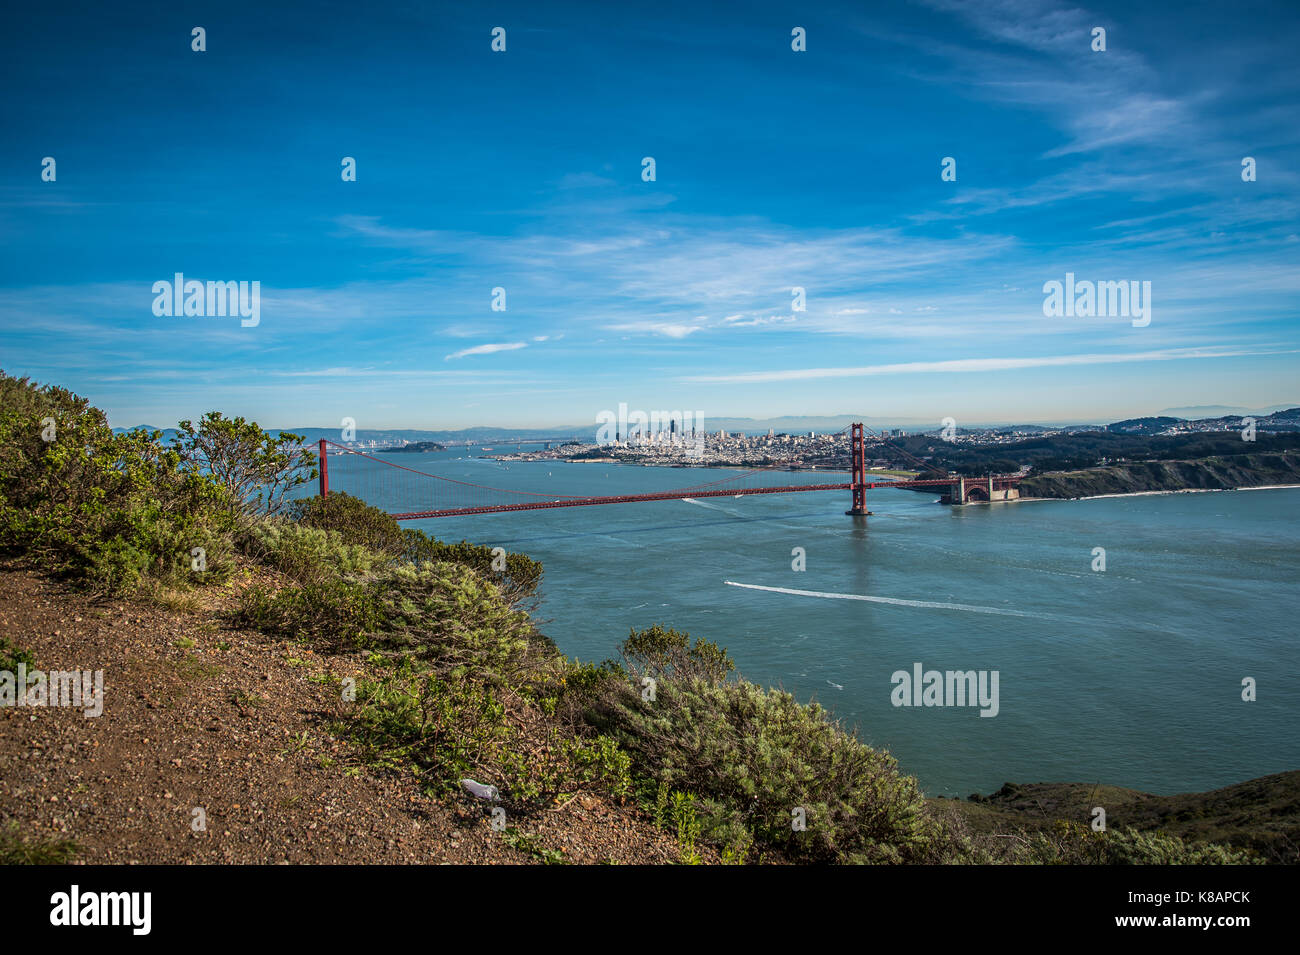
{"points": [[396, 436], [1287, 419], [1218, 411]]}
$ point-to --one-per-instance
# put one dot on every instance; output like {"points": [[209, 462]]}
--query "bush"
{"points": [[442, 614], [11, 656], [1072, 843], [448, 615], [664, 653], [109, 510], [340, 613], [23, 845], [751, 756], [517, 575], [447, 730], [544, 770], [1129, 847], [353, 519], [148, 542], [310, 554]]}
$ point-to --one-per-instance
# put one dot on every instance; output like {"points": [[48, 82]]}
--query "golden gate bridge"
{"points": [[431, 495]]}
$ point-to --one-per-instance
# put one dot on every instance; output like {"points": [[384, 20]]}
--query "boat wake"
{"points": [[709, 506], [894, 601]]}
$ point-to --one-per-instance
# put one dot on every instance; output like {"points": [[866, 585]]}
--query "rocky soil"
{"points": [[199, 716]]}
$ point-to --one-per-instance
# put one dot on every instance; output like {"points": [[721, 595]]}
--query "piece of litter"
{"points": [[479, 790]]}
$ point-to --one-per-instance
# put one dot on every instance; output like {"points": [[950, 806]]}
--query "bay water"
{"points": [[1129, 676]]}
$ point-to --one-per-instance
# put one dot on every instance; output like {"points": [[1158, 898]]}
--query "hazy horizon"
{"points": [[726, 421]]}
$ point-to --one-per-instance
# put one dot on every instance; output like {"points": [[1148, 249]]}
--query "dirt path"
{"points": [[200, 716]]}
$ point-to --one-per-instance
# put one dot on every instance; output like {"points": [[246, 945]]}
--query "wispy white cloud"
{"points": [[490, 349], [967, 365], [667, 329], [1042, 59], [741, 321]]}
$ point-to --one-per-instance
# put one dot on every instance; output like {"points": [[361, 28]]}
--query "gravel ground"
{"points": [[198, 715]]}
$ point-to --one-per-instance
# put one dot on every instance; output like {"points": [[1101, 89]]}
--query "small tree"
{"points": [[258, 470], [660, 652]]}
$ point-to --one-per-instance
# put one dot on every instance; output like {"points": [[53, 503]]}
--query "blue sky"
{"points": [[775, 169]]}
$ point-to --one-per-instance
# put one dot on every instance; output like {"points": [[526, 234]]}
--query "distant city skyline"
{"points": [[515, 178]]}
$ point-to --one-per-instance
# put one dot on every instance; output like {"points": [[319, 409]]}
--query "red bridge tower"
{"points": [[859, 485]]}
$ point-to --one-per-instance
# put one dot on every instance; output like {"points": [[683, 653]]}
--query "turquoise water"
{"points": [[1129, 677]]}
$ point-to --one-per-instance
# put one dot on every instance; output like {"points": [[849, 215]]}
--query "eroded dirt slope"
{"points": [[200, 716]]}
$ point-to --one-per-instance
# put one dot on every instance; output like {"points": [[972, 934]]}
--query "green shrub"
{"points": [[340, 613], [21, 847], [1065, 843], [443, 614], [353, 519], [751, 756], [558, 764], [11, 656], [1073, 843], [581, 686], [664, 653], [1130, 847], [517, 575], [116, 565], [109, 510], [147, 542], [308, 553], [454, 619], [681, 810], [445, 730], [358, 523], [449, 729]]}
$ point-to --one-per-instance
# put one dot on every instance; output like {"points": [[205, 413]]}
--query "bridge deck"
{"points": [[663, 496]]}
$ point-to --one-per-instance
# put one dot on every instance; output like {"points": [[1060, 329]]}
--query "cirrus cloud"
{"points": [[486, 349]]}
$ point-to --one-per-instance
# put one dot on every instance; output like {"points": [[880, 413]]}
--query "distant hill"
{"points": [[1197, 412], [397, 437], [1143, 425], [1210, 473], [1261, 814], [418, 447], [391, 437]]}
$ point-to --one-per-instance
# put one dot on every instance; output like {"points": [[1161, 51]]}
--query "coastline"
{"points": [[1184, 490]]}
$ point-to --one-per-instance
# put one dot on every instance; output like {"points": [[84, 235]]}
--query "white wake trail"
{"points": [[707, 505], [896, 601]]}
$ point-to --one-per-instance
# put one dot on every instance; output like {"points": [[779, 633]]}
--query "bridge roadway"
{"points": [[664, 496]]}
